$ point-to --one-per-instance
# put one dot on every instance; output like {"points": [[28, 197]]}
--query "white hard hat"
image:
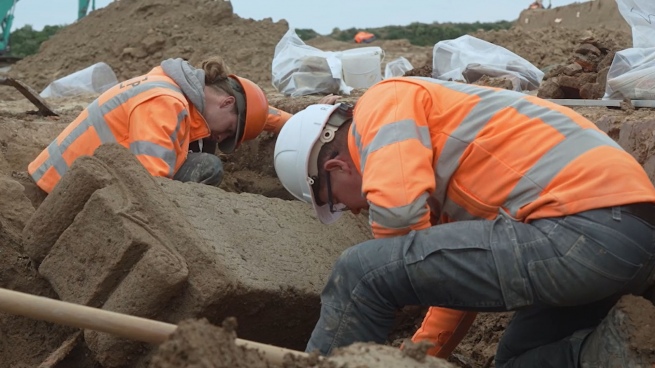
{"points": [[296, 154]]}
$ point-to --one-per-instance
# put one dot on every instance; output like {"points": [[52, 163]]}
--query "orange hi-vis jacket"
{"points": [[447, 151], [148, 114]]}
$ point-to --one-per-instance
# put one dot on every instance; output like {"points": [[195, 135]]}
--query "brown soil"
{"points": [[198, 344], [641, 316], [134, 36]]}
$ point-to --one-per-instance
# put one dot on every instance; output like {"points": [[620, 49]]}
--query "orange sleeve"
{"points": [[276, 119], [154, 127], [395, 157], [445, 329]]}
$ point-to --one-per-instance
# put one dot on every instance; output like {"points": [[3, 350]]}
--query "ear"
{"points": [[228, 101], [336, 164]]}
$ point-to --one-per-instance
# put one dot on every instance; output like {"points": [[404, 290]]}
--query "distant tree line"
{"points": [[420, 34], [26, 41]]}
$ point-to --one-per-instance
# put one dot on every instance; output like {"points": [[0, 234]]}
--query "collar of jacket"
{"points": [[199, 128]]}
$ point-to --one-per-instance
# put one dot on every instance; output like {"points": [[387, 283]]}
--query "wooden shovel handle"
{"points": [[123, 325]]}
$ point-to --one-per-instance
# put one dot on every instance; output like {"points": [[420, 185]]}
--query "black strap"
{"points": [[643, 211]]}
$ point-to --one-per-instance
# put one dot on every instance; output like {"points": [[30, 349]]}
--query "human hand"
{"points": [[329, 99]]}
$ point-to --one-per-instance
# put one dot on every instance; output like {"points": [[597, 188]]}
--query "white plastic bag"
{"points": [[468, 58], [97, 78], [632, 75], [299, 69], [397, 68], [640, 15]]}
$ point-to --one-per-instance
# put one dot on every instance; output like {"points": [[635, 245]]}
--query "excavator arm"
{"points": [[83, 7], [7, 13]]}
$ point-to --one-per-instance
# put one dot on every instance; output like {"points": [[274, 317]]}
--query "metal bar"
{"points": [[600, 103]]}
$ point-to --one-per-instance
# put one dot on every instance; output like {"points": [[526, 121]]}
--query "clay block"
{"points": [[550, 89], [592, 91], [58, 210], [587, 78], [144, 292], [587, 48], [569, 82], [279, 254], [572, 69], [553, 71], [14, 213], [588, 62], [97, 250], [208, 280]]}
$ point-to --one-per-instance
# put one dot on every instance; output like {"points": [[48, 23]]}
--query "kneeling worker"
{"points": [[158, 115], [480, 200]]}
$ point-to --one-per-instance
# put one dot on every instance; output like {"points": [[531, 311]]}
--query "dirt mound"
{"points": [[548, 46], [577, 16], [134, 36]]}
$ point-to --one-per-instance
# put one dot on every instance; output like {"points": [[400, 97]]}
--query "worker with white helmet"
{"points": [[480, 200], [159, 116]]}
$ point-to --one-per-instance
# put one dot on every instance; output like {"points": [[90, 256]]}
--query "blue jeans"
{"points": [[560, 275]]}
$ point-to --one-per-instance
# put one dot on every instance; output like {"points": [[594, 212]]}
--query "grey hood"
{"points": [[189, 79]]}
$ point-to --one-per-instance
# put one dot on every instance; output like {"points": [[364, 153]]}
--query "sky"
{"points": [[322, 16]]}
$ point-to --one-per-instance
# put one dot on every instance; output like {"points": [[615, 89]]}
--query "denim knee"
{"points": [[346, 274]]}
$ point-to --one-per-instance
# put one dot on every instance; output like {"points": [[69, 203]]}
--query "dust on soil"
{"points": [[641, 315], [194, 30], [199, 344]]}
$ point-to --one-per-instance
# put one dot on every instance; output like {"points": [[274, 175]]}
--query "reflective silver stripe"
{"points": [[358, 138], [396, 132], [96, 119], [399, 217], [457, 212], [54, 160], [558, 121], [180, 117], [154, 150], [460, 138], [549, 165], [272, 111]]}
